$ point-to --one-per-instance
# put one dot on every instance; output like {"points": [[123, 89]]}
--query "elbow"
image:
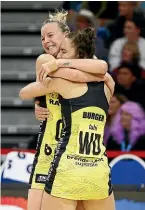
{"points": [[22, 94], [103, 67]]}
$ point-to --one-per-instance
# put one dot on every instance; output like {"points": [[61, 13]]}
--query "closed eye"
{"points": [[50, 35], [63, 51]]}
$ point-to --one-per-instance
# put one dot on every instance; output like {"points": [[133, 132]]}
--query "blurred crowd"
{"points": [[120, 40]]}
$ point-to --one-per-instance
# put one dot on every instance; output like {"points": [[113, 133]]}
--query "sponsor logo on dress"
{"points": [[40, 178], [93, 116], [53, 95]]}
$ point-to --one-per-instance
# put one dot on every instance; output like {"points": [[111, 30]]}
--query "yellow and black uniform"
{"points": [[49, 134], [80, 169]]}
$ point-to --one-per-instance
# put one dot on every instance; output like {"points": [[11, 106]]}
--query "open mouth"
{"points": [[50, 47]]}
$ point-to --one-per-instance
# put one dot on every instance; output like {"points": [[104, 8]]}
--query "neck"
{"points": [[127, 86], [110, 119], [129, 16], [133, 39], [127, 129]]}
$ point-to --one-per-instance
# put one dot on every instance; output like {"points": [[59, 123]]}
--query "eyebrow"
{"points": [[50, 33]]}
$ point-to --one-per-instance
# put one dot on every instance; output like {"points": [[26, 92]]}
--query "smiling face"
{"points": [[52, 37], [127, 54], [67, 50]]}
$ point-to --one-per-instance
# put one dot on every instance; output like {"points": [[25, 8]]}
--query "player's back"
{"points": [[84, 119], [80, 167]]}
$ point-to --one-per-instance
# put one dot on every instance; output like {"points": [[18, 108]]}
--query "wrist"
{"points": [[64, 63], [52, 66]]}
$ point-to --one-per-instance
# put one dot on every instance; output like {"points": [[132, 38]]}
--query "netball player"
{"points": [[53, 32], [79, 170]]}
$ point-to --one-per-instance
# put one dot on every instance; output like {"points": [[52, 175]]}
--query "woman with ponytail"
{"points": [[53, 32]]}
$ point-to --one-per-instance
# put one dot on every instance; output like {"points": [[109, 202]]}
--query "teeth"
{"points": [[50, 47]]}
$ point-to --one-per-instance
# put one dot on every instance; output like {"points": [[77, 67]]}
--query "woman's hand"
{"points": [[40, 112], [109, 82], [46, 82], [46, 69]]}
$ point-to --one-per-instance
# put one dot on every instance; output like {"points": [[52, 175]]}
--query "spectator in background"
{"points": [[115, 103], [85, 19], [132, 34], [128, 128], [128, 10], [130, 54], [128, 83], [102, 9]]}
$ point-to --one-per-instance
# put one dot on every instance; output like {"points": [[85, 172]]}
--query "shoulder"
{"points": [[141, 41], [44, 58], [118, 42]]}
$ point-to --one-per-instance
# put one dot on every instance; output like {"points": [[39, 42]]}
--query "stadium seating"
{"points": [[31, 5], [18, 68], [28, 22], [21, 44]]}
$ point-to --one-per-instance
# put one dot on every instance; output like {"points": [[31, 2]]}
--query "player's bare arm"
{"points": [[88, 65]]}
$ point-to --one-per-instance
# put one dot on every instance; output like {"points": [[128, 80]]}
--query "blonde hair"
{"points": [[59, 17], [134, 49]]}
